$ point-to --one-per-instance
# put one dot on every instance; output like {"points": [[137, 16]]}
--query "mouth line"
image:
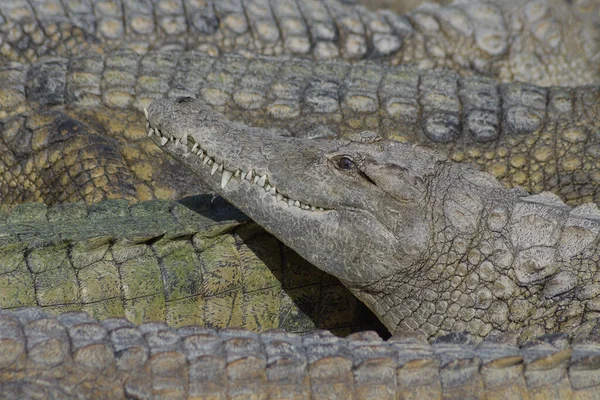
{"points": [[227, 174]]}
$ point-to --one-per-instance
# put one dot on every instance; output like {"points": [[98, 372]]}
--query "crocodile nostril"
{"points": [[184, 99]]}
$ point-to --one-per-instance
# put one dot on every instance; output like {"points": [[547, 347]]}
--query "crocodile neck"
{"points": [[499, 260]]}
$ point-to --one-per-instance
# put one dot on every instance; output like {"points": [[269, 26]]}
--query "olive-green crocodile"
{"points": [[182, 263]]}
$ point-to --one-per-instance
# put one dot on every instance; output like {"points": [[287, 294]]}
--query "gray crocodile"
{"points": [[546, 42], [429, 245], [74, 129], [76, 357], [196, 261]]}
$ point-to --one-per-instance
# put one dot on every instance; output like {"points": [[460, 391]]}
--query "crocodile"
{"points": [[535, 137], [73, 356], [196, 261], [545, 42], [427, 244]]}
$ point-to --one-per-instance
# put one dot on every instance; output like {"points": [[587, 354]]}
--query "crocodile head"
{"points": [[357, 209]]}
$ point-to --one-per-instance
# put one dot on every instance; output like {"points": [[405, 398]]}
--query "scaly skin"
{"points": [[538, 138], [427, 244], [71, 154], [399, 6], [163, 261], [546, 42], [73, 356]]}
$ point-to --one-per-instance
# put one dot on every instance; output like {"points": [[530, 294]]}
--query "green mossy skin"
{"points": [[98, 282], [63, 213], [141, 275], [179, 269], [57, 286], [146, 309], [17, 288], [90, 251], [219, 261], [29, 213], [190, 263], [110, 308], [13, 257], [49, 257]]}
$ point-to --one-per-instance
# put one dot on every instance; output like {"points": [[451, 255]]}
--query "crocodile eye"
{"points": [[184, 100], [345, 163]]}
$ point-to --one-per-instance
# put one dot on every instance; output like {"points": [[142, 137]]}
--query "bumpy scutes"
{"points": [[75, 356]]}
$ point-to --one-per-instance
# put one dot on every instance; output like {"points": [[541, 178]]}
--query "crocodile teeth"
{"points": [[146, 113], [296, 203], [273, 191], [225, 178], [183, 140], [290, 202], [150, 132], [220, 168], [194, 147], [215, 167], [249, 175], [163, 141], [279, 197], [261, 181], [206, 160], [237, 173], [313, 208], [177, 142], [305, 207]]}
